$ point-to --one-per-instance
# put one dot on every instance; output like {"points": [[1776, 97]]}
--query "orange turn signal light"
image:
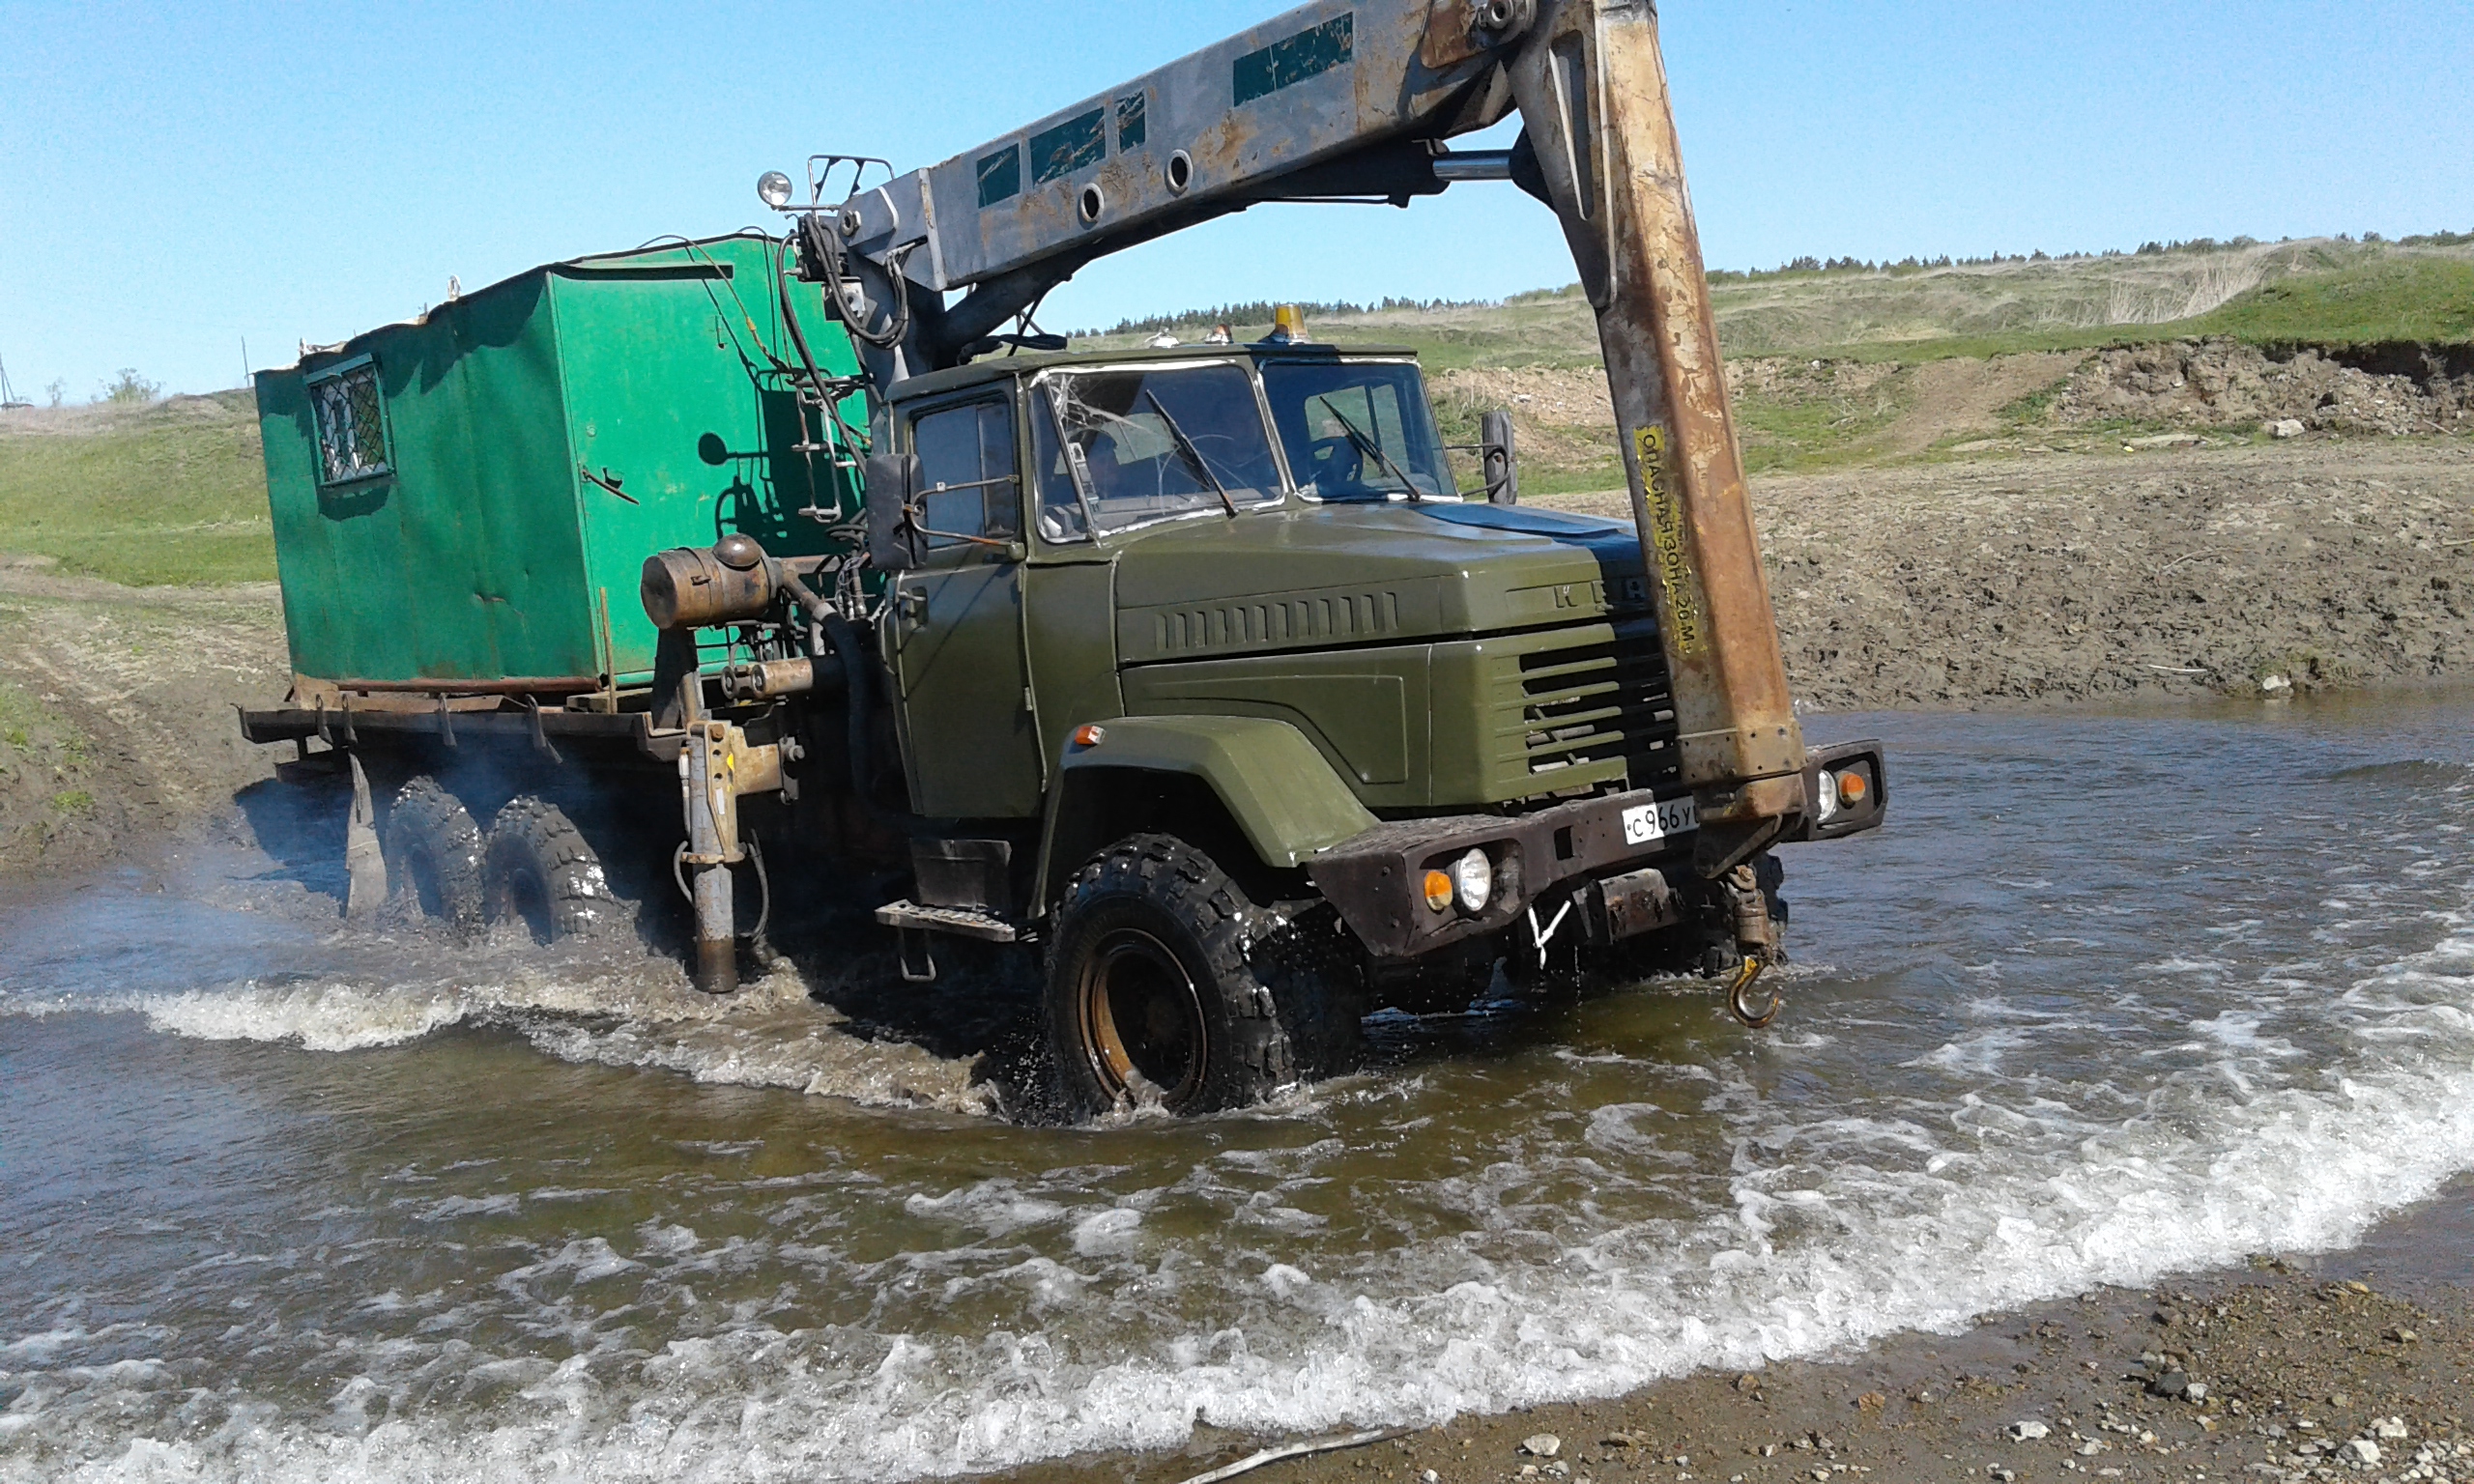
{"points": [[1438, 891], [1851, 788], [1090, 735]]}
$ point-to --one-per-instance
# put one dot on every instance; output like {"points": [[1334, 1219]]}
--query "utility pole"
{"points": [[8, 394]]}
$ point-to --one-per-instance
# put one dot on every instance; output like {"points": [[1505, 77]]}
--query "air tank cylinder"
{"points": [[691, 587]]}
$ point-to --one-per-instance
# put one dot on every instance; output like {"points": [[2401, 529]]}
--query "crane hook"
{"points": [[1737, 1002]]}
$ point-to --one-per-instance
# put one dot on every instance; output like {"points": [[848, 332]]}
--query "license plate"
{"points": [[1647, 822]]}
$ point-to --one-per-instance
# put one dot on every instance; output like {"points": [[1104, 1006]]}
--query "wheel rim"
{"points": [[1142, 1021]]}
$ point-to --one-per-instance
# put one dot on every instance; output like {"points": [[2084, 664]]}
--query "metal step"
{"points": [[962, 922]]}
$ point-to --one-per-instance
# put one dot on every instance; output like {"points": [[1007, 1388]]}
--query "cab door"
{"points": [[954, 627]]}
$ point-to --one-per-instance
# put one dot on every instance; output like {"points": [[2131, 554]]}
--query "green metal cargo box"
{"points": [[471, 496]]}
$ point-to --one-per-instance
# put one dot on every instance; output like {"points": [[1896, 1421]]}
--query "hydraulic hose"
{"points": [[824, 245], [858, 701]]}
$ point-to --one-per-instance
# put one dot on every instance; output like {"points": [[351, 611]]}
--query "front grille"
{"points": [[1601, 702]]}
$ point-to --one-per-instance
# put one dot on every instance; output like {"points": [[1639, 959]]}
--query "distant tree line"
{"points": [[1914, 264], [1260, 311]]}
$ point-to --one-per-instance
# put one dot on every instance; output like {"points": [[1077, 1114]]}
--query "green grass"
{"points": [[169, 494], [2334, 296], [38, 743], [1794, 431], [2380, 298], [22, 717]]}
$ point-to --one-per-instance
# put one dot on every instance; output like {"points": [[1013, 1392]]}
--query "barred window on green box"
{"points": [[352, 426]]}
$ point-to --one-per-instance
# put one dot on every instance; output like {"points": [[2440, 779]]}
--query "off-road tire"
{"points": [[1317, 978], [538, 873], [433, 852], [1151, 996]]}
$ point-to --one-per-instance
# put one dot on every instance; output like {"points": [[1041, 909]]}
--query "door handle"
{"points": [[911, 603]]}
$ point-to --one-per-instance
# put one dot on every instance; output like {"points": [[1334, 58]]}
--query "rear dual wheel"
{"points": [[533, 868], [433, 853], [540, 873]]}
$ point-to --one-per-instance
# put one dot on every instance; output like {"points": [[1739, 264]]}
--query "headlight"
{"points": [[773, 188], [1473, 881]]}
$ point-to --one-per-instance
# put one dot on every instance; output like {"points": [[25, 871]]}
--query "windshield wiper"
{"points": [[1187, 451], [1367, 444]]}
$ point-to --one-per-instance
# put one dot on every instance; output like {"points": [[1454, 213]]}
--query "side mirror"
{"points": [[1502, 466], [892, 542]]}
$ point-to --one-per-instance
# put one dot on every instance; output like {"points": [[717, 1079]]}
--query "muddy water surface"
{"points": [[2112, 997]]}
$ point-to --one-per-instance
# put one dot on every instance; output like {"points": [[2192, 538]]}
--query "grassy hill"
{"points": [[2323, 291], [169, 492], [1833, 366]]}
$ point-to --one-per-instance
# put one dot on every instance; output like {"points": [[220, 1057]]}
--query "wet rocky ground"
{"points": [[2355, 1366]]}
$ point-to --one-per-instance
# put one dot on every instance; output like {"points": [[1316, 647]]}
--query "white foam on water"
{"points": [[624, 1014], [322, 1017], [1978, 1055], [1931, 1229]]}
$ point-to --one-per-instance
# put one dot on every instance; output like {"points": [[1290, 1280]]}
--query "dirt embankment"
{"points": [[116, 721], [2184, 572], [2397, 391], [1877, 411]]}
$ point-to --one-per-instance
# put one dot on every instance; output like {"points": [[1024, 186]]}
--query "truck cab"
{"points": [[1272, 532], [1229, 606]]}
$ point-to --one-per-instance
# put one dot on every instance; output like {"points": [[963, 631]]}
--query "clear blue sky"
{"points": [[174, 178]]}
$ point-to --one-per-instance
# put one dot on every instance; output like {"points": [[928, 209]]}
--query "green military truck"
{"points": [[1191, 673]]}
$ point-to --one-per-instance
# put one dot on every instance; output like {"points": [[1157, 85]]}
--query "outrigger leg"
{"points": [[363, 862], [713, 845]]}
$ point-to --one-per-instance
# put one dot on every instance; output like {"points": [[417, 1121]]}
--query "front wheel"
{"points": [[1151, 998]]}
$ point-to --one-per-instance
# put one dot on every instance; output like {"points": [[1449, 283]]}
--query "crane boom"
{"points": [[1354, 99]]}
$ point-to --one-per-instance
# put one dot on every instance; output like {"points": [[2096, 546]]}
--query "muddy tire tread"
{"points": [[430, 832], [1318, 984], [532, 836], [1216, 921]]}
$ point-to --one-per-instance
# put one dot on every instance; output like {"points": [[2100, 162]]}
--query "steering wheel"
{"points": [[1339, 464]]}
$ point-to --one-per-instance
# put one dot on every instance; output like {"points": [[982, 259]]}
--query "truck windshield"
{"points": [[1143, 443], [1357, 431]]}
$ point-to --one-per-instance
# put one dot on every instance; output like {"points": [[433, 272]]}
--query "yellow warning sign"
{"points": [[1670, 554]]}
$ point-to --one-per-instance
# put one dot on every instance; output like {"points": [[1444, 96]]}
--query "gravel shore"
{"points": [[2354, 1366]]}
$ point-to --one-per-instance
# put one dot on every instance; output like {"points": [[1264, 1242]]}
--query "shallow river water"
{"points": [[2111, 996]]}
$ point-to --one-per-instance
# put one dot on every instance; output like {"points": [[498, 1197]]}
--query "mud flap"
{"points": [[365, 863]]}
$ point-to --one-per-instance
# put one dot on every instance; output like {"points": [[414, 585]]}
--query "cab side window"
{"points": [[969, 495]]}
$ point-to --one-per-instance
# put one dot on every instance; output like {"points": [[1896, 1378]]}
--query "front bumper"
{"points": [[1373, 880]]}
